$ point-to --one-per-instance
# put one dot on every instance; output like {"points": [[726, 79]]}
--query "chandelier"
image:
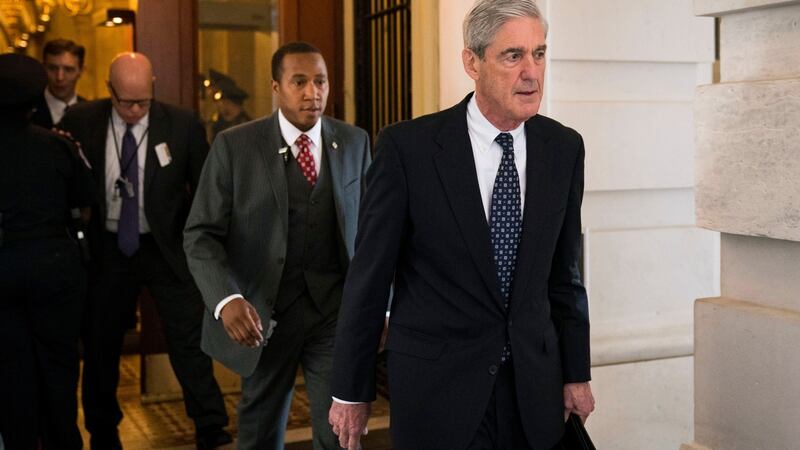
{"points": [[22, 20]]}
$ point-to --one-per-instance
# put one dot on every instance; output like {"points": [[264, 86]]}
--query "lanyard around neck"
{"points": [[124, 167]]}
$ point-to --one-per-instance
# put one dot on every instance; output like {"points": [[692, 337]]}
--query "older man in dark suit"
{"points": [[269, 239], [474, 212], [146, 158]]}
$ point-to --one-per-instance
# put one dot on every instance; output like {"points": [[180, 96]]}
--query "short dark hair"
{"points": [[59, 46], [289, 49]]}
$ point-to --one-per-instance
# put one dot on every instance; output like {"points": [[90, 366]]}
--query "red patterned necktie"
{"points": [[306, 159]]}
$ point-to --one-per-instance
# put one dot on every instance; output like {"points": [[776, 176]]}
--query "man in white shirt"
{"points": [[63, 62], [269, 239], [146, 158], [473, 213]]}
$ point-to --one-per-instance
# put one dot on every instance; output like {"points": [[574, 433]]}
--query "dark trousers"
{"points": [[303, 336], [112, 300], [42, 286], [501, 426]]}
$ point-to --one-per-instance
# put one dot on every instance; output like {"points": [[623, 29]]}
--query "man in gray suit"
{"points": [[268, 241]]}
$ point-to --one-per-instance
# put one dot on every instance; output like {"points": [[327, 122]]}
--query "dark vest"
{"points": [[316, 260]]}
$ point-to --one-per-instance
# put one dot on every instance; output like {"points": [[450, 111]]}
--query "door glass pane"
{"points": [[236, 41]]}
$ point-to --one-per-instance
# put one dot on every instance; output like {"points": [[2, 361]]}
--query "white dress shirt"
{"points": [[290, 133], [112, 169], [58, 106], [487, 154]]}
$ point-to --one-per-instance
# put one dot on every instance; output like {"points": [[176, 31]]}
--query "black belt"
{"points": [[45, 232]]}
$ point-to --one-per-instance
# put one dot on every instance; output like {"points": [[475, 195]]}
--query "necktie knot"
{"points": [[305, 159], [303, 141], [506, 142]]}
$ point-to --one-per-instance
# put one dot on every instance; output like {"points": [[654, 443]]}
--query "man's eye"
{"points": [[514, 57], [539, 55]]}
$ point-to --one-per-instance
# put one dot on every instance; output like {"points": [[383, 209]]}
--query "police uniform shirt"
{"points": [[41, 179]]}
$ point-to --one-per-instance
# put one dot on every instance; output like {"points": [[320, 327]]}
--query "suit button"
{"points": [[510, 322], [314, 202], [492, 370]]}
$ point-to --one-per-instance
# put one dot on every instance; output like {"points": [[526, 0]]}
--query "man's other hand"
{"points": [[578, 399], [349, 422], [242, 323]]}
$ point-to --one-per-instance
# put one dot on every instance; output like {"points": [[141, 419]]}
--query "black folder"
{"points": [[575, 436]]}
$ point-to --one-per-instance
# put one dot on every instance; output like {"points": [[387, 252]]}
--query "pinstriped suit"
{"points": [[236, 239]]}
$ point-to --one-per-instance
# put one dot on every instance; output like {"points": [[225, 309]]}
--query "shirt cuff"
{"points": [[345, 402], [224, 302]]}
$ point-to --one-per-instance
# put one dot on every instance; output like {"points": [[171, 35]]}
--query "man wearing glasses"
{"points": [[146, 157]]}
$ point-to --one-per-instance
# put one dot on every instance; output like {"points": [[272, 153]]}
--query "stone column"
{"points": [[747, 362]]}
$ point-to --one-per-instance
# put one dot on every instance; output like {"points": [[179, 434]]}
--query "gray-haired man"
{"points": [[474, 213]]}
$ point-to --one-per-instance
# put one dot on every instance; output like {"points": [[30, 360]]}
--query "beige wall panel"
{"points": [[633, 145], [760, 45], [630, 30], [748, 159], [606, 81], [721, 7], [642, 406], [762, 270], [747, 386]]}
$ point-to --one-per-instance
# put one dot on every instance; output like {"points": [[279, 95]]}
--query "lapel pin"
{"points": [[282, 151], [335, 145]]}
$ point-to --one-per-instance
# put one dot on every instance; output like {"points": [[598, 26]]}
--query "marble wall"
{"points": [[747, 185]]}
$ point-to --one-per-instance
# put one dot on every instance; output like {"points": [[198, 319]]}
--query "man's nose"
{"points": [[310, 91], [60, 74], [528, 68]]}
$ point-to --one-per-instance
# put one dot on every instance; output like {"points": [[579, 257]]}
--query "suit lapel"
{"points": [[333, 148], [270, 142], [96, 151], [456, 167], [537, 198], [158, 132]]}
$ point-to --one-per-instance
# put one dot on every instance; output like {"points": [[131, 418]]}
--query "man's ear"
{"points": [[275, 85], [471, 63]]}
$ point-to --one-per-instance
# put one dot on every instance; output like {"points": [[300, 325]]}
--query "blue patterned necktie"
{"points": [[128, 226], [505, 221]]}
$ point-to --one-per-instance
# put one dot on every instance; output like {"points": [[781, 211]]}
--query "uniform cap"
{"points": [[22, 80]]}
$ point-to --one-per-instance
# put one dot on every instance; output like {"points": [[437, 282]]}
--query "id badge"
{"points": [[126, 187], [163, 154]]}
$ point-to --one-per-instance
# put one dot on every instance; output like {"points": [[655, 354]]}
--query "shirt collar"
{"points": [[290, 132], [483, 129], [143, 123], [52, 99]]}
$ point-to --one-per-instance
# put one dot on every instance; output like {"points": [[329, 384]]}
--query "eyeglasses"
{"points": [[128, 103]]}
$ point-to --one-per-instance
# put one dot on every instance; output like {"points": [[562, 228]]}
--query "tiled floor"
{"points": [[164, 425]]}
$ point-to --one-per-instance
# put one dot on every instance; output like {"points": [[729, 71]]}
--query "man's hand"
{"points": [[578, 399], [349, 422], [242, 323]]}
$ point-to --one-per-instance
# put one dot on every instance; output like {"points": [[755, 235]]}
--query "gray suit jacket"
{"points": [[235, 237]]}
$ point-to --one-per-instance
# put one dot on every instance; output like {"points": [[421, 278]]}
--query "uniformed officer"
{"points": [[42, 280], [229, 99]]}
